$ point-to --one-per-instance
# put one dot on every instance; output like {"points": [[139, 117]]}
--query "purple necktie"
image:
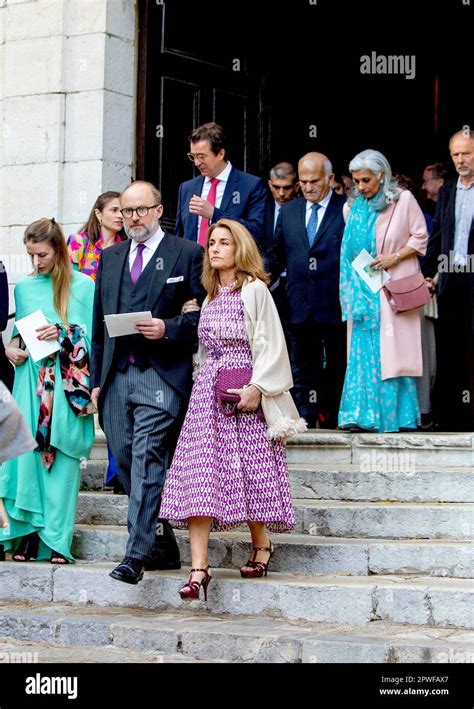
{"points": [[137, 264]]}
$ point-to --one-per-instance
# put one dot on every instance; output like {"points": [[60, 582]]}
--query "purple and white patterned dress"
{"points": [[225, 467]]}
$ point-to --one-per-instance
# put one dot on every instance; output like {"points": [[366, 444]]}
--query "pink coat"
{"points": [[400, 335]]}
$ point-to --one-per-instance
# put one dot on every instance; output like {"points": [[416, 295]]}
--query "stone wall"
{"points": [[67, 86]]}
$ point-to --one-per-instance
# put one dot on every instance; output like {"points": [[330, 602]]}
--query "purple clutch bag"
{"points": [[232, 379]]}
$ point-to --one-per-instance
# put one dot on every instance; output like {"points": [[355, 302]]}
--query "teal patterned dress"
{"points": [[367, 401], [37, 498]]}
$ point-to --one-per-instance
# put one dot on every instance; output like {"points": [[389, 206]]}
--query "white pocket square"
{"points": [[176, 279]]}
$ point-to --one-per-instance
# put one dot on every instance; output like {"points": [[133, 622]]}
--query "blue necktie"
{"points": [[312, 227]]}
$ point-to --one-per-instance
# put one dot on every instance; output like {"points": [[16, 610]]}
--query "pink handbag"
{"points": [[232, 379], [407, 293]]}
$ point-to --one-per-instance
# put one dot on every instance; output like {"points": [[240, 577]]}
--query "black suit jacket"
{"points": [[312, 274], [269, 224], [170, 356], [441, 241], [6, 368], [243, 200]]}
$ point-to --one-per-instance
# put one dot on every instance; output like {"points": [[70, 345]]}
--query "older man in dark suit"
{"points": [[451, 254], [307, 244], [142, 382], [220, 192]]}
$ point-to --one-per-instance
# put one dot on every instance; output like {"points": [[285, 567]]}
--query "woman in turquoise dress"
{"points": [[40, 488], [385, 356]]}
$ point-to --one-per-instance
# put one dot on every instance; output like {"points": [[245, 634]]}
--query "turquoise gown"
{"points": [[37, 499], [367, 401]]}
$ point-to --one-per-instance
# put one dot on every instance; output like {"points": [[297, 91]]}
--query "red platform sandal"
{"points": [[192, 589], [254, 569]]}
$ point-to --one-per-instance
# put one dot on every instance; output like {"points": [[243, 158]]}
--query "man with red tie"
{"points": [[221, 191]]}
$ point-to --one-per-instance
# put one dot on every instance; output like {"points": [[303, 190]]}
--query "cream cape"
{"points": [[271, 365]]}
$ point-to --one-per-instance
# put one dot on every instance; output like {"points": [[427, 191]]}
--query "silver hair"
{"points": [[282, 170], [375, 162]]}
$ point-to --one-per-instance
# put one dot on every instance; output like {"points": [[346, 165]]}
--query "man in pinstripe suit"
{"points": [[142, 382]]}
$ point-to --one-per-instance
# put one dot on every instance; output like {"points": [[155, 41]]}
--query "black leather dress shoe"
{"points": [[129, 570]]}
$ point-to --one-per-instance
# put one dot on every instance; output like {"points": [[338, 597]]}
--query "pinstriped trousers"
{"points": [[139, 410]]}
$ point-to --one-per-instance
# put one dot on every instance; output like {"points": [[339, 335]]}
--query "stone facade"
{"points": [[67, 103]]}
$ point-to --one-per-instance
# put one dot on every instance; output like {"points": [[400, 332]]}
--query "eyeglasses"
{"points": [[197, 156], [127, 212]]}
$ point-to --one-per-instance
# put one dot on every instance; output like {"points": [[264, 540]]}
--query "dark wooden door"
{"points": [[190, 74]]}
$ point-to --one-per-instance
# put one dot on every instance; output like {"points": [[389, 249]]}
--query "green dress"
{"points": [[37, 499]]}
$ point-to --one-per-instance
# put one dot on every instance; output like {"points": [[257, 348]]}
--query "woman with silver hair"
{"points": [[385, 347]]}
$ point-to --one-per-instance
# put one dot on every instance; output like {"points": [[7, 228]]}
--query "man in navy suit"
{"points": [[221, 191], [307, 244], [283, 185], [451, 254]]}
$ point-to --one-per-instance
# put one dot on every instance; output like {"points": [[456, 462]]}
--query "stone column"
{"points": [[67, 78]]}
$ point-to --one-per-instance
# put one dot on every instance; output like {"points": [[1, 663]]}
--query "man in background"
{"points": [[220, 192]]}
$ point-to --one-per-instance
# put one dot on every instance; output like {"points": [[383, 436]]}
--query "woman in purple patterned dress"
{"points": [[228, 470]]}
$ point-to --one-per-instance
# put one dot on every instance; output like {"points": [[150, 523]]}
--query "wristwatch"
{"points": [[397, 254]]}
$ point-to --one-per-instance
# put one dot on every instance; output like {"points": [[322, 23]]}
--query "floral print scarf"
{"points": [[74, 366], [358, 303]]}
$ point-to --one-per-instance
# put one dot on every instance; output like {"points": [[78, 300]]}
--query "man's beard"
{"points": [[141, 233]]}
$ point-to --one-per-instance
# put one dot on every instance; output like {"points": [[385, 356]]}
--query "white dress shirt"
{"points": [[151, 245], [275, 216], [464, 215]]}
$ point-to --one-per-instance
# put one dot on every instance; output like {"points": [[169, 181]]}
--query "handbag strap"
{"points": [[388, 227], [383, 241]]}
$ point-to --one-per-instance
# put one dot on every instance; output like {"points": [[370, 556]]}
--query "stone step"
{"points": [[328, 518], [386, 520], [354, 482], [93, 474], [50, 629], [415, 449], [412, 449], [357, 600], [32, 652], [301, 553]]}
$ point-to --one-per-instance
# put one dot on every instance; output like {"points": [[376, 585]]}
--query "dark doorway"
{"points": [[186, 80], [286, 78]]}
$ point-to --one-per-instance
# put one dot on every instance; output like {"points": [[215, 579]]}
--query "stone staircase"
{"points": [[378, 569]]}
